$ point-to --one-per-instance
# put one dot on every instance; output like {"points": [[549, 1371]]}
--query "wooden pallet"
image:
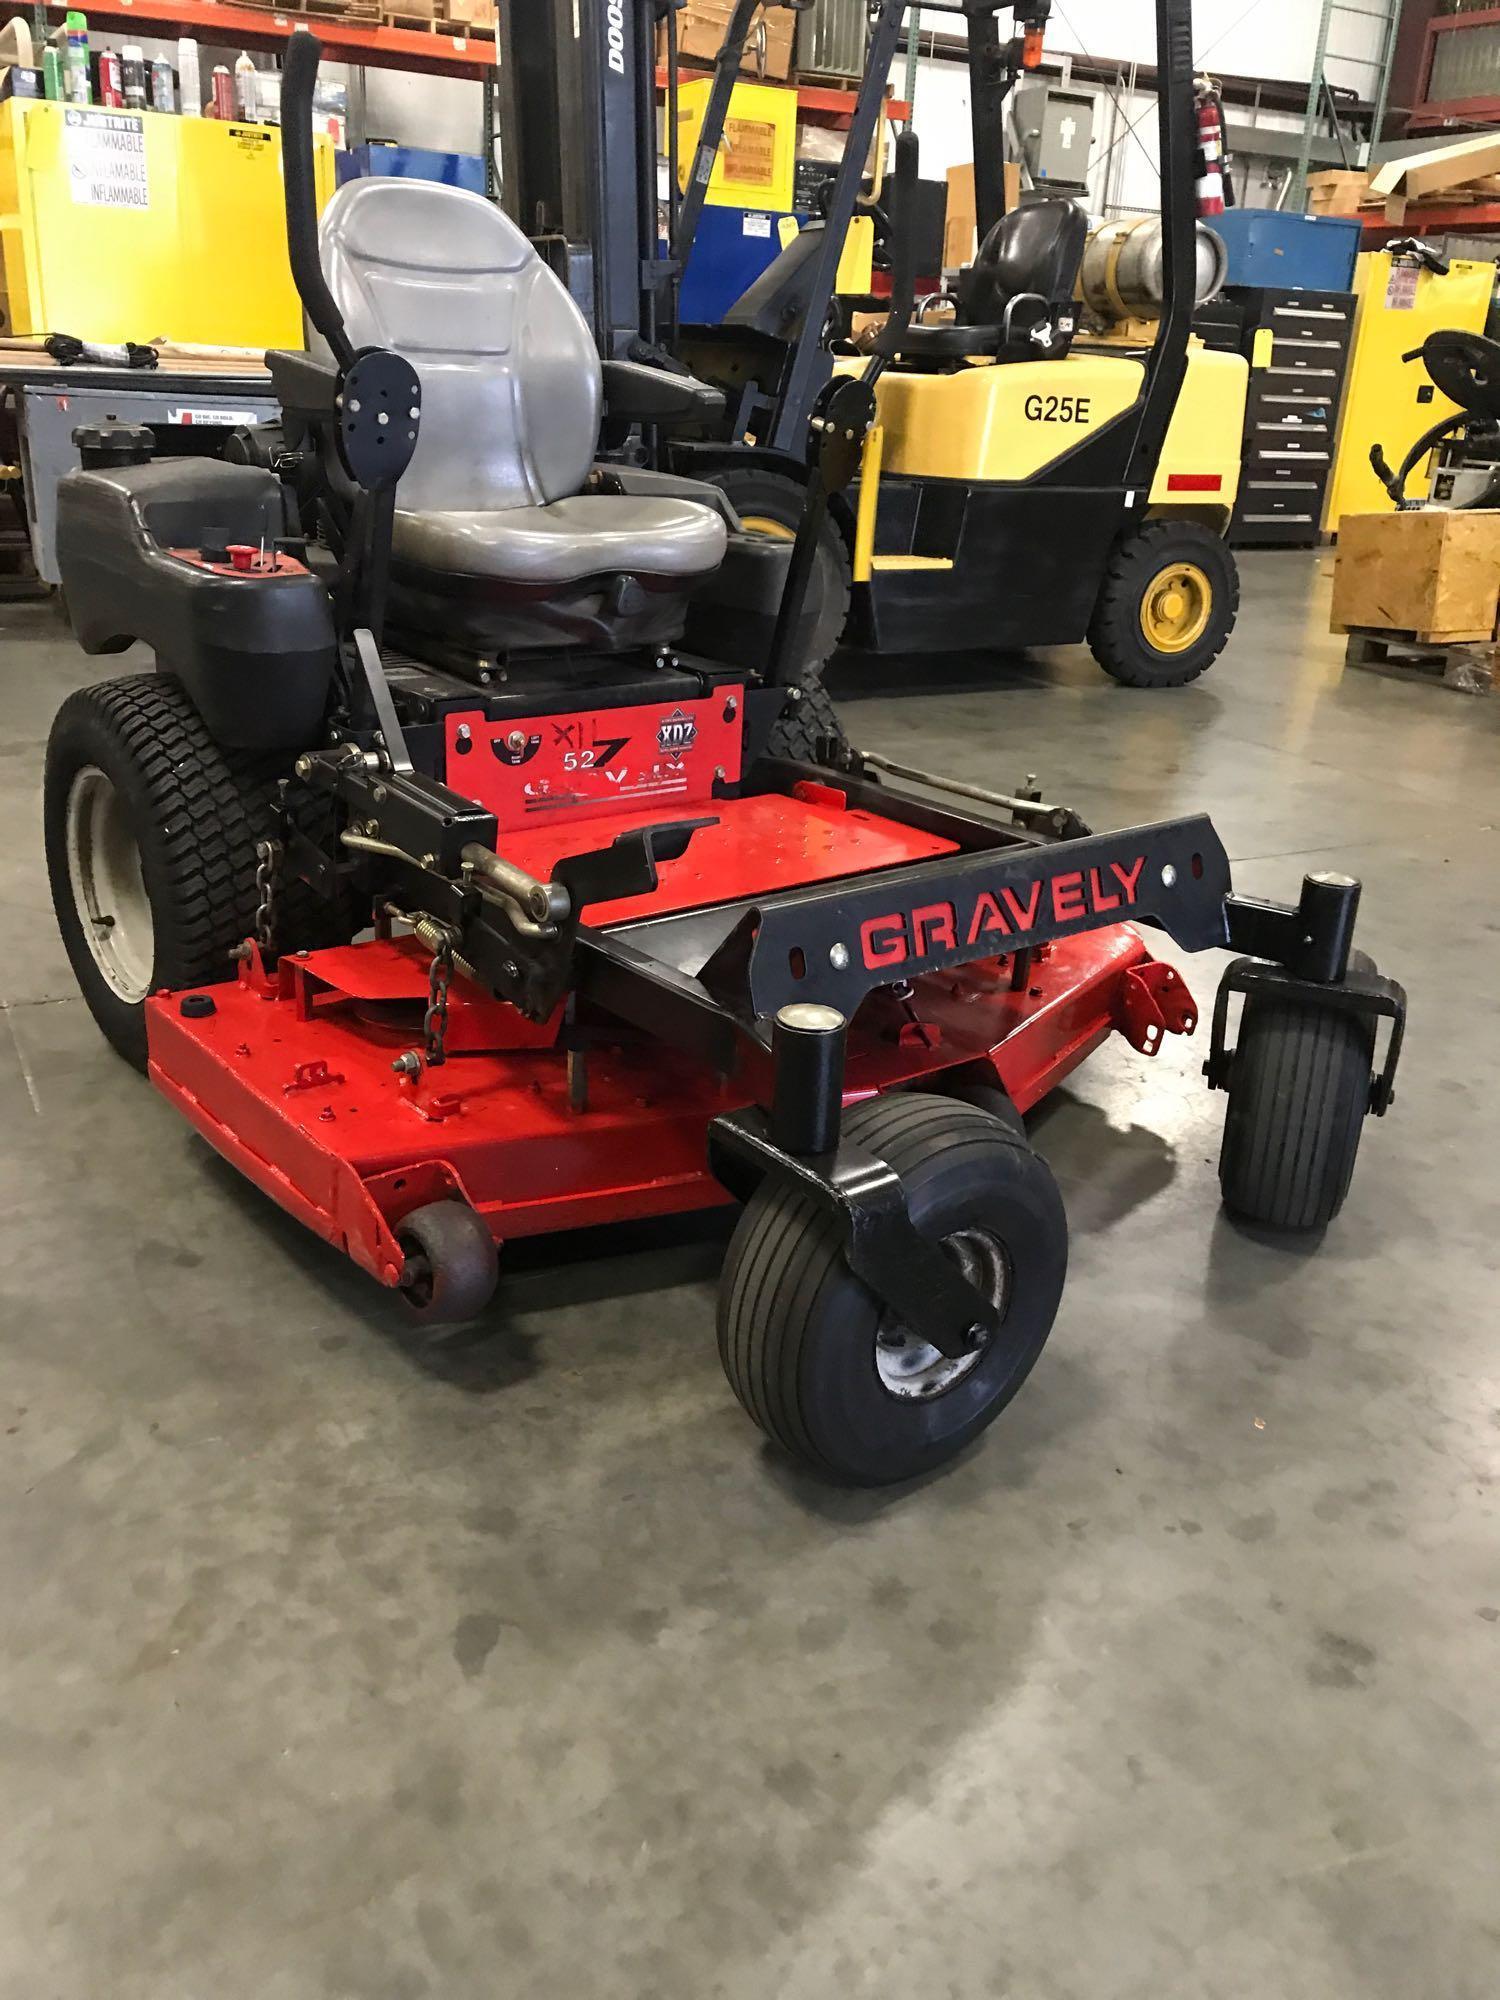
{"points": [[1467, 663], [366, 13], [427, 24]]}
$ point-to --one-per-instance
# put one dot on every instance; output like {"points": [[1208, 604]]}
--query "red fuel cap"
{"points": [[242, 555]]}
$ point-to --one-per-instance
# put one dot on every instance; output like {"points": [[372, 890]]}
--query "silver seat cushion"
{"points": [[592, 535], [511, 394]]}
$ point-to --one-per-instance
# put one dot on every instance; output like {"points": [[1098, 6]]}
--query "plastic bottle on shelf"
{"points": [[223, 90], [133, 70], [163, 97], [244, 88], [189, 77], [76, 59], [111, 86], [53, 83]]}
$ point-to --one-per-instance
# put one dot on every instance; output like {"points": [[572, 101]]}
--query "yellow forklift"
{"points": [[1039, 472]]}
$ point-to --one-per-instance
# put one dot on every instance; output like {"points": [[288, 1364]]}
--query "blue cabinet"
{"points": [[1289, 253]]}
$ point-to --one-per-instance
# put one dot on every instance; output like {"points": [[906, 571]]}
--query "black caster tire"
{"points": [[452, 1263], [771, 503], [151, 830], [810, 1353], [1299, 1089], [997, 1102], [1167, 605]]}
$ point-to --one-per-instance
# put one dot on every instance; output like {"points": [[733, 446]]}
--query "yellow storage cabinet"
{"points": [[1397, 305], [756, 164], [138, 225]]}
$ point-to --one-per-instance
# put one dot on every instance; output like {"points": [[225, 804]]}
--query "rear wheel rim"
{"points": [[766, 524], [109, 885], [912, 1369], [1175, 607]]}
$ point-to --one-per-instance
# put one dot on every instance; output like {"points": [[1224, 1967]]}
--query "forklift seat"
{"points": [[1020, 286], [1036, 248], [512, 399]]}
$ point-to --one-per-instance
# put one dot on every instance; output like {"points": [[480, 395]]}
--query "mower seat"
{"points": [[493, 534]]}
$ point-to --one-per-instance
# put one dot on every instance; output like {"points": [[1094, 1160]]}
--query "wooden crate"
{"points": [[1431, 573]]}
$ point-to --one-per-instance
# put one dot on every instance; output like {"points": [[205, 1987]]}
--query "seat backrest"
{"points": [[1037, 247], [511, 382]]}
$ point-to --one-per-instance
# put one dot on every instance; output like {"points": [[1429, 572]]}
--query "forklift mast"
{"points": [[581, 175], [580, 160]]}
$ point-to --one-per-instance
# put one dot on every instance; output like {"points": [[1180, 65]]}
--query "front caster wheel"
{"points": [[827, 1373], [452, 1265], [1299, 1088]]}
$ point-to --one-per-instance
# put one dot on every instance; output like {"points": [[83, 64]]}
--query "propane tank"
{"points": [[1210, 150], [1121, 276]]}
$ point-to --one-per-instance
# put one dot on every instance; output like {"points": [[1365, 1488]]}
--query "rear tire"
{"points": [[1299, 1089], [1167, 605], [808, 730], [151, 831], [814, 1358]]}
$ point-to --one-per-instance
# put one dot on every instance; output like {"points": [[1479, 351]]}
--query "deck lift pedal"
{"points": [[649, 934]]}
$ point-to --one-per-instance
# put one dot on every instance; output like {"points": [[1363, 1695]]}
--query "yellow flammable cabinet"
{"points": [[138, 225], [756, 164], [1388, 401]]}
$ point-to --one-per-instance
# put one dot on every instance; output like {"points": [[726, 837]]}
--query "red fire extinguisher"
{"points": [[1212, 199]]}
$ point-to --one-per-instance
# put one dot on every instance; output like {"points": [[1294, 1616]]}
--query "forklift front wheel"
{"points": [[1167, 605], [826, 1371], [451, 1263], [1299, 1089], [772, 503]]}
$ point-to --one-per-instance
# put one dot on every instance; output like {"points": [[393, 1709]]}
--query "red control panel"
{"points": [[554, 768], [241, 559]]}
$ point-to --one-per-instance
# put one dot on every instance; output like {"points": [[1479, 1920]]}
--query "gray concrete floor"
{"points": [[328, 1672]]}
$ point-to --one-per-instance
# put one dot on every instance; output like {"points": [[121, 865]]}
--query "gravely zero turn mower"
{"points": [[648, 933]]}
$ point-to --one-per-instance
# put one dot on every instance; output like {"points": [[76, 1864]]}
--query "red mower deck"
{"points": [[290, 1077]]}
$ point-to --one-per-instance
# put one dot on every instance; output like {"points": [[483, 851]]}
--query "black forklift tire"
{"points": [[1133, 634], [807, 1348], [452, 1263], [131, 766], [1299, 1089], [771, 503]]}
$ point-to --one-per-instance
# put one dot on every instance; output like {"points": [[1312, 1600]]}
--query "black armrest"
{"points": [[641, 395], [304, 385]]}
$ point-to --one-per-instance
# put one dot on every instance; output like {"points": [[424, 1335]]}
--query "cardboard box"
{"points": [[475, 16], [1433, 572], [702, 25], [1339, 193], [959, 228]]}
